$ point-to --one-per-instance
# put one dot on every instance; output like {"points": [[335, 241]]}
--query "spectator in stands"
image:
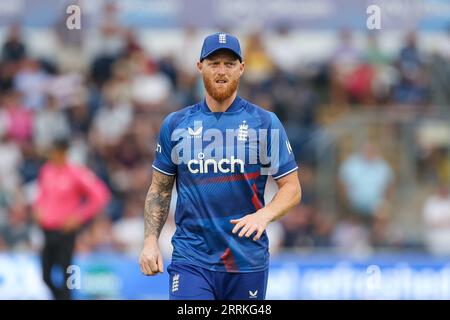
{"points": [[19, 120], [14, 48], [436, 215], [286, 50], [49, 123], [258, 63], [31, 81], [10, 161], [351, 237], [440, 73], [384, 75], [366, 181], [79, 118], [31, 164], [109, 43], [17, 232], [111, 123], [413, 85], [344, 61]]}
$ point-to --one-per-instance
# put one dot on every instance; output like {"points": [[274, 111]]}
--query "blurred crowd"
{"points": [[111, 107]]}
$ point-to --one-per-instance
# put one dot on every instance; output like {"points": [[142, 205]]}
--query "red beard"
{"points": [[220, 93]]}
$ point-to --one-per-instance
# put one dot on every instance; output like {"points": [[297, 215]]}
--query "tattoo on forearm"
{"points": [[157, 203]]}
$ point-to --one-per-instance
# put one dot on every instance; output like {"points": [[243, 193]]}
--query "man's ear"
{"points": [[199, 66], [242, 67]]}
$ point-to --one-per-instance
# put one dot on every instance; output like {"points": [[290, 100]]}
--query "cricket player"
{"points": [[220, 152]]}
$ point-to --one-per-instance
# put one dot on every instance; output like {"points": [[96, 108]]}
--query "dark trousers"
{"points": [[58, 251]]}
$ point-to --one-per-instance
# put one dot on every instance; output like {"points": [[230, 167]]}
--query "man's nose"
{"points": [[221, 69]]}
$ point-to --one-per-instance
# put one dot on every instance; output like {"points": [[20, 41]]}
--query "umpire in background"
{"points": [[69, 195]]}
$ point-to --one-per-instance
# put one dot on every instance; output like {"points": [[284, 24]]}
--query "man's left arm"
{"points": [[96, 193], [288, 195]]}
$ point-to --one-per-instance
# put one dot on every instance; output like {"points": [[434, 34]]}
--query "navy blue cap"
{"points": [[218, 41]]}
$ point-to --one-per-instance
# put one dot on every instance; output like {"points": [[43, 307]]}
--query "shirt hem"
{"points": [[212, 268]]}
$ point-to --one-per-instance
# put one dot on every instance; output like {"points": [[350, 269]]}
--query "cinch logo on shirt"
{"points": [[212, 165]]}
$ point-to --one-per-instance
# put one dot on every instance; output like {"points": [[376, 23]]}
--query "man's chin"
{"points": [[220, 95], [221, 98], [221, 92]]}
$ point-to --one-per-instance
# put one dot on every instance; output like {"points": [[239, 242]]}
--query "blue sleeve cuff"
{"points": [[164, 168], [285, 170]]}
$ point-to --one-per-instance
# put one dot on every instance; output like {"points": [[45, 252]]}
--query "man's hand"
{"points": [[288, 195], [151, 260], [71, 224], [255, 222]]}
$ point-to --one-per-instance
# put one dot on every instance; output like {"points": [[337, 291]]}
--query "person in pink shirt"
{"points": [[69, 195], [19, 120]]}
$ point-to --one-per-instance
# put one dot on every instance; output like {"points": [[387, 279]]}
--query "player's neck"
{"points": [[219, 106]]}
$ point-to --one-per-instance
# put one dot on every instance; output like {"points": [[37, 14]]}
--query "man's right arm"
{"points": [[157, 204]]}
